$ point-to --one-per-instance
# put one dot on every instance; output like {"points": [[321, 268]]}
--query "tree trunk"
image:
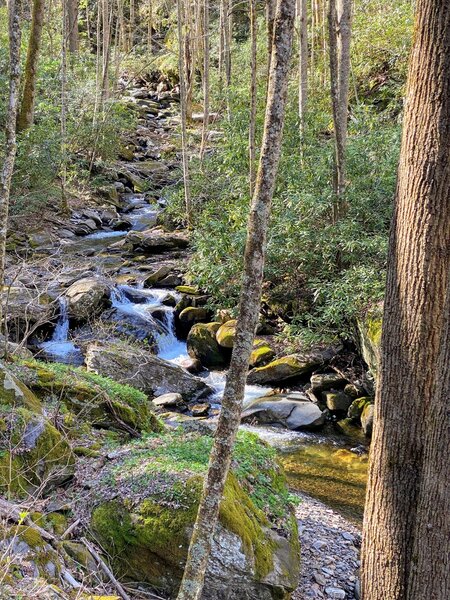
{"points": [[26, 114], [189, 59], [150, 26], [406, 525], [183, 111], [302, 62], [193, 580], [339, 23], [271, 6], [72, 14], [253, 91], [65, 36], [14, 12], [205, 77], [106, 43]]}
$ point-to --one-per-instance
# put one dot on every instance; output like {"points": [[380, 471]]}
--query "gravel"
{"points": [[330, 553]]}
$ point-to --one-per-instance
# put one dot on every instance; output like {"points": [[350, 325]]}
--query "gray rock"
{"points": [[321, 382], [293, 414], [367, 419], [157, 240], [87, 298], [336, 401], [168, 400], [143, 370], [335, 593]]}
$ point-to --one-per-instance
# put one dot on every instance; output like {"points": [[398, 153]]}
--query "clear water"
{"points": [[59, 347]]}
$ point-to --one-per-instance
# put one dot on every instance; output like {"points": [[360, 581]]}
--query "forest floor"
{"points": [[330, 553]]}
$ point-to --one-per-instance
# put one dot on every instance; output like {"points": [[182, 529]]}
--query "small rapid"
{"points": [[59, 347]]}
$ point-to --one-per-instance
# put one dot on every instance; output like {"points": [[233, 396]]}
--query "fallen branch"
{"points": [[106, 569], [12, 512]]}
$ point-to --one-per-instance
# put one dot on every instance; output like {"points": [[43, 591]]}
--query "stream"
{"points": [[327, 467]]}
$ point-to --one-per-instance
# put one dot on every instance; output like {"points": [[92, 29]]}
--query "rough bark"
{"points": [[183, 111], [106, 45], [406, 525], [149, 26], [253, 88], [26, 113], [72, 15], [270, 17], [65, 35], [14, 12], [205, 77], [302, 61], [339, 23], [192, 584]]}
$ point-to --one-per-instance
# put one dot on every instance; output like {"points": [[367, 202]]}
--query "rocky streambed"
{"points": [[106, 290]]}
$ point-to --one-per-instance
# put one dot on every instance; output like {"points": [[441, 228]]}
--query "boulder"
{"points": [[87, 298], [145, 371], [288, 367], [336, 401], [202, 345], [225, 334], [191, 315], [261, 355], [369, 328], [157, 275], [168, 400], [291, 412], [367, 417], [147, 503], [357, 407], [28, 309], [321, 382], [157, 240]]}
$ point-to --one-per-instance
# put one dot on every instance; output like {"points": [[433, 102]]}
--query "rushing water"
{"points": [[322, 466]]}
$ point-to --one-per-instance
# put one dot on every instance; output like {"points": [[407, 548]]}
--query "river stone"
{"points": [[87, 298], [321, 382], [144, 514], [367, 419], [145, 371], [261, 355], [288, 367], [283, 410], [157, 240], [336, 401], [226, 333], [157, 275], [357, 407], [168, 400], [191, 315], [202, 345]]}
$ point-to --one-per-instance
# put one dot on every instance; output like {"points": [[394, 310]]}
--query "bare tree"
{"points": [[302, 61], [14, 13], [219, 464], [406, 525], [253, 90], [183, 111], [339, 23], [26, 113], [149, 26], [64, 42]]}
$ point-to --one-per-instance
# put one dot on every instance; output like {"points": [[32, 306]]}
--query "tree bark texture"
{"points": [[6, 173], [406, 526], [192, 584], [205, 77], [253, 92], [74, 37], [302, 60], [26, 113]]}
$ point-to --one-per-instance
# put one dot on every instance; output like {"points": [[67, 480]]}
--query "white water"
{"points": [[101, 235], [59, 347]]}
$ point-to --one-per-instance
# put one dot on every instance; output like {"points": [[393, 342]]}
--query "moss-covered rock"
{"points": [[287, 367], [33, 454], [357, 407], [226, 333], [336, 401], [191, 315], [369, 328], [261, 355], [367, 418], [202, 344], [147, 505], [95, 399]]}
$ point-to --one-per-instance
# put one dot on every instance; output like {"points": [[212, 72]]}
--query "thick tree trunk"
{"points": [[74, 37], [193, 580], [302, 61], [26, 113], [406, 526], [183, 111], [339, 22], [14, 12], [253, 90]]}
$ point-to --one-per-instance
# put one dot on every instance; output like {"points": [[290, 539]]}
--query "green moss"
{"points": [[29, 535], [187, 289], [84, 451], [226, 333], [261, 356]]}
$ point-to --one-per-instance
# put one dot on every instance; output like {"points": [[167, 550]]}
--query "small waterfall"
{"points": [[59, 348], [169, 346]]}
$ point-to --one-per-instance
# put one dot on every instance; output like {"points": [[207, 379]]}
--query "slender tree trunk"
{"points": [[183, 111], [205, 77], [271, 6], [65, 35], [150, 26], [189, 59], [74, 37], [193, 580], [253, 90], [302, 62], [339, 22], [14, 13], [106, 43], [132, 23], [26, 113], [406, 524]]}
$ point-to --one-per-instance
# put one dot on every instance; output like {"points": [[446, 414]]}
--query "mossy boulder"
{"points": [[147, 504], [336, 401], [123, 362], [191, 315], [367, 418], [369, 329], [288, 367], [98, 400], [261, 355], [321, 382], [202, 344], [33, 453], [357, 407], [226, 333]]}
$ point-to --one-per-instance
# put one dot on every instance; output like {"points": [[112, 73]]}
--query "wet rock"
{"points": [[202, 345], [157, 275], [157, 240], [367, 417], [289, 367], [146, 372], [321, 382], [87, 298], [283, 410], [170, 281], [192, 365], [168, 400]]}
